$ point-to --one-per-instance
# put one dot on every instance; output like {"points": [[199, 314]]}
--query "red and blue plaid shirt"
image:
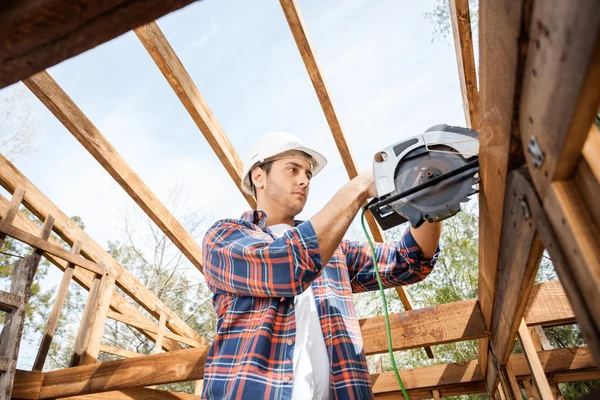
{"points": [[254, 277]]}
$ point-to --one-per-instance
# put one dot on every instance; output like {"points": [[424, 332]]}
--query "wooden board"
{"points": [[41, 206], [560, 93], [171, 67], [531, 355], [548, 305], [37, 34], [463, 44], [500, 24], [67, 112], [118, 351], [174, 366], [9, 301], [136, 394], [84, 278], [13, 208], [427, 326]]}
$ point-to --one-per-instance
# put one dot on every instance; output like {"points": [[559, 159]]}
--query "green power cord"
{"points": [[385, 309]]}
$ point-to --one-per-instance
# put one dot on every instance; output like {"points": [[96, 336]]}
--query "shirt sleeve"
{"points": [[247, 262], [399, 262]]}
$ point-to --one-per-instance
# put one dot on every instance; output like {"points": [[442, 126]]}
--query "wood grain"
{"points": [[531, 355]]}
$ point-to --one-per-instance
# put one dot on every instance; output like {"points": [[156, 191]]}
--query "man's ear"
{"points": [[258, 176]]}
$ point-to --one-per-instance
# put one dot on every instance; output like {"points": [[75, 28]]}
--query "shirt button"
{"points": [[290, 342], [286, 379]]}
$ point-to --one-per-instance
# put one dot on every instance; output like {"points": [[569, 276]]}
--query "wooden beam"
{"points": [[171, 67], [560, 93], [557, 362], [296, 24], [67, 112], [9, 301], [500, 60], [47, 247], [41, 206], [85, 278], [460, 18], [531, 355], [118, 351], [134, 322], [10, 340], [91, 328], [548, 305], [509, 383], [520, 255], [39, 34], [13, 208], [427, 326], [52, 323], [136, 394], [156, 369]]}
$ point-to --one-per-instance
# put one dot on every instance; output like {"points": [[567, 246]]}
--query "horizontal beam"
{"points": [[66, 111], [47, 247], [156, 369], [11, 178], [37, 34], [118, 351], [556, 362], [548, 305], [9, 301], [136, 394]]}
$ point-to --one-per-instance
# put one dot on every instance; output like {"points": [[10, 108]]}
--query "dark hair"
{"points": [[264, 166]]}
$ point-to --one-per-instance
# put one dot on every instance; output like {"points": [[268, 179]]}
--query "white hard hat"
{"points": [[269, 146]]}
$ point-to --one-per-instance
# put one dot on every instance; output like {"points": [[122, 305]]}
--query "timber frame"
{"points": [[534, 106]]}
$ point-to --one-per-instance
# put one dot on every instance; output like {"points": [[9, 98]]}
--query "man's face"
{"points": [[287, 184]]}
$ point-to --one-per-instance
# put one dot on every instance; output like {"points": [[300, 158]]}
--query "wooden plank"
{"points": [[37, 34], [161, 333], [427, 326], [91, 328], [296, 24], [156, 369], [134, 322], [41, 206], [560, 93], [67, 112], [118, 351], [500, 24], [519, 259], [548, 305], [534, 363], [556, 361], [530, 389], [22, 276], [52, 323], [48, 247], [436, 394], [565, 377], [590, 151], [27, 384], [465, 58], [136, 394], [13, 208], [509, 383], [171, 67], [9, 301]]}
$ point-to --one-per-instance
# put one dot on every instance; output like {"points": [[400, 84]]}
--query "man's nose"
{"points": [[304, 181]]}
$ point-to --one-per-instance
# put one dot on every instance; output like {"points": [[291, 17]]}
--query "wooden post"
{"points": [[533, 360], [13, 207], [530, 388], [89, 337], [436, 394], [22, 276], [55, 313]]}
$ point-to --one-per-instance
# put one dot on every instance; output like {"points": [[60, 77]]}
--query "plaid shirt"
{"points": [[254, 277]]}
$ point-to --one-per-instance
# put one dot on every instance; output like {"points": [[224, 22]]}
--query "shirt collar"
{"points": [[259, 217]]}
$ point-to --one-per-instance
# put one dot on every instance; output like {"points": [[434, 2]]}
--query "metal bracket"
{"points": [[524, 206], [536, 152]]}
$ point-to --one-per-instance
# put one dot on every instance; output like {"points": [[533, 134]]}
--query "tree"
{"points": [[17, 125]]}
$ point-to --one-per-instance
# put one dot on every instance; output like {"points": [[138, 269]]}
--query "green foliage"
{"points": [[440, 18]]}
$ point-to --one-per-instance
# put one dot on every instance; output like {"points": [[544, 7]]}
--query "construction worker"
{"points": [[287, 326]]}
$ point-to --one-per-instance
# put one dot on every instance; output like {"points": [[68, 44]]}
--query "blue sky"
{"points": [[387, 79]]}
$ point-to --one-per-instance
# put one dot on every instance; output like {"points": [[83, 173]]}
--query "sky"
{"points": [[387, 80]]}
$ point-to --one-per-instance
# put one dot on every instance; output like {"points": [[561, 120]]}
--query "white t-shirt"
{"points": [[311, 362]]}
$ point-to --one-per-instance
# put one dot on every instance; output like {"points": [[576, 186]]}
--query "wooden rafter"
{"points": [[37, 34], [171, 67], [460, 18], [65, 110], [41, 206], [296, 24]]}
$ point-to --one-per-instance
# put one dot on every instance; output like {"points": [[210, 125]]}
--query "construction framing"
{"points": [[534, 105]]}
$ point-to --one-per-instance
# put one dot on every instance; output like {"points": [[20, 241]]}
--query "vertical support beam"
{"points": [[465, 58], [89, 337], [296, 24], [198, 387], [500, 42], [512, 385], [378, 364], [22, 276], [160, 333], [52, 324], [530, 389], [66, 111], [535, 365], [13, 208], [436, 394]]}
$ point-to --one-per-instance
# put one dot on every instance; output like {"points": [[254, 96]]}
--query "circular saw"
{"points": [[426, 177]]}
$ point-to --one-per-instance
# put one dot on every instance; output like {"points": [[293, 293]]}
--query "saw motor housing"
{"points": [[425, 177]]}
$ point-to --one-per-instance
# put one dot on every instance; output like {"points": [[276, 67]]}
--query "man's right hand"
{"points": [[366, 182]]}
